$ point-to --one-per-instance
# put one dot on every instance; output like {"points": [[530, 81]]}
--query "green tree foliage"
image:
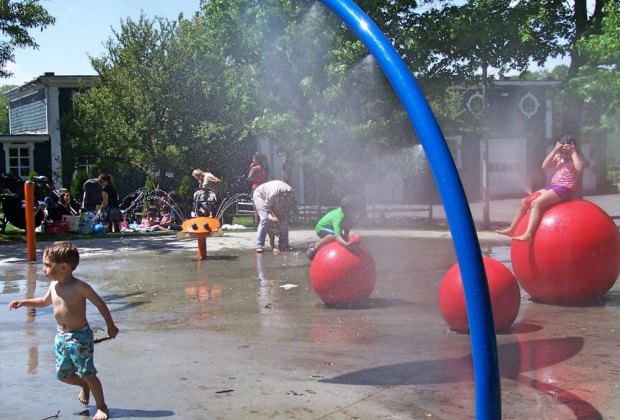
{"points": [[461, 41], [4, 111], [324, 100], [222, 47], [77, 183], [185, 191], [197, 93], [17, 18], [582, 25], [137, 116], [599, 79]]}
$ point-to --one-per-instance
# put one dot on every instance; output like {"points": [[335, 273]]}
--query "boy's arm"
{"points": [[342, 241], [96, 300], [342, 232], [40, 302]]}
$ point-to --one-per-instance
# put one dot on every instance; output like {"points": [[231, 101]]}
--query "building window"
{"points": [[529, 105], [19, 159], [475, 104]]}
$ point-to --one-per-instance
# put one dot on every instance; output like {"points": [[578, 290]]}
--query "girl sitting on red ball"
{"points": [[569, 165]]}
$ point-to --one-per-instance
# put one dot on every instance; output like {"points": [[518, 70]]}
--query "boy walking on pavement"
{"points": [[74, 342]]}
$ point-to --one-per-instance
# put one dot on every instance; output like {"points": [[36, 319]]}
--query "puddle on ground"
{"points": [[230, 313]]}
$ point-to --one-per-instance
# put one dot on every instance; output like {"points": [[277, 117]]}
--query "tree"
{"points": [[138, 116], [581, 26], [4, 111], [198, 92], [222, 45], [324, 101], [598, 79], [334, 101], [16, 19]]}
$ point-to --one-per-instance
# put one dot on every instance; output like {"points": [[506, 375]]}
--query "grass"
{"points": [[12, 234], [245, 221], [15, 235], [248, 222]]}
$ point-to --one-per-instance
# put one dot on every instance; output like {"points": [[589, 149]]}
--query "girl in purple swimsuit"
{"points": [[569, 165]]}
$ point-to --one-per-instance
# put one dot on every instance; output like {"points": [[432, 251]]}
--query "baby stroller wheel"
{"points": [[13, 210]]}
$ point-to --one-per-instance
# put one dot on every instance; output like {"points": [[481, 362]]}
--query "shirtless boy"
{"points": [[74, 339]]}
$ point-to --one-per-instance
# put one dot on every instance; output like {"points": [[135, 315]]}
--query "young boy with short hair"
{"points": [[335, 226], [74, 342]]}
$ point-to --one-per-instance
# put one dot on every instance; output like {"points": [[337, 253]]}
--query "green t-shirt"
{"points": [[333, 220]]}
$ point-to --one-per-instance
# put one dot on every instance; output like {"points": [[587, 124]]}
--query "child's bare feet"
{"points": [[84, 394], [102, 413], [526, 237], [507, 231]]}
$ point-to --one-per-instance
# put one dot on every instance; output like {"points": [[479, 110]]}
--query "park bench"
{"points": [[376, 214], [242, 209]]}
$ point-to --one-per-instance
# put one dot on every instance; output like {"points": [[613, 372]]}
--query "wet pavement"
{"points": [[243, 335]]}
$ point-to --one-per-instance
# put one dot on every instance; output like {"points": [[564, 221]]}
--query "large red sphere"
{"points": [[342, 276], [574, 257], [503, 290]]}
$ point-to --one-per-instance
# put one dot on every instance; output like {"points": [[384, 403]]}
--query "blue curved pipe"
{"points": [[482, 330]]}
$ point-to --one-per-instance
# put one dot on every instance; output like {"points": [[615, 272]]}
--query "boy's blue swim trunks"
{"points": [[74, 352]]}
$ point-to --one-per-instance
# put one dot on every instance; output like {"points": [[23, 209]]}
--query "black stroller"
{"points": [[205, 203], [12, 200]]}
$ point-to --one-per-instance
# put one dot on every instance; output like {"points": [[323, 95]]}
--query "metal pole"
{"points": [[477, 298], [484, 152], [31, 241], [202, 247]]}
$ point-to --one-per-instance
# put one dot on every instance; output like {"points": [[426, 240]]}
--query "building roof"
{"points": [[49, 79]]}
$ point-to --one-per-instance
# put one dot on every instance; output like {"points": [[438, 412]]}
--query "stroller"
{"points": [[12, 200], [205, 203]]}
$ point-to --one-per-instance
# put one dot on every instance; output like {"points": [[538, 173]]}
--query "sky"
{"points": [[81, 29]]}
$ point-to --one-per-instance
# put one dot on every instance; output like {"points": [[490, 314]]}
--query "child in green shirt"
{"points": [[335, 226]]}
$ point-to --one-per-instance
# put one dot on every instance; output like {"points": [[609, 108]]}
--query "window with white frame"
{"points": [[475, 104], [529, 105], [19, 159]]}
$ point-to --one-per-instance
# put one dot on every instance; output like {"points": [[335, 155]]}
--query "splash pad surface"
{"points": [[221, 338]]}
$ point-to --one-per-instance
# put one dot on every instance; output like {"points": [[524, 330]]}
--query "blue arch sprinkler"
{"points": [[478, 302]]}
